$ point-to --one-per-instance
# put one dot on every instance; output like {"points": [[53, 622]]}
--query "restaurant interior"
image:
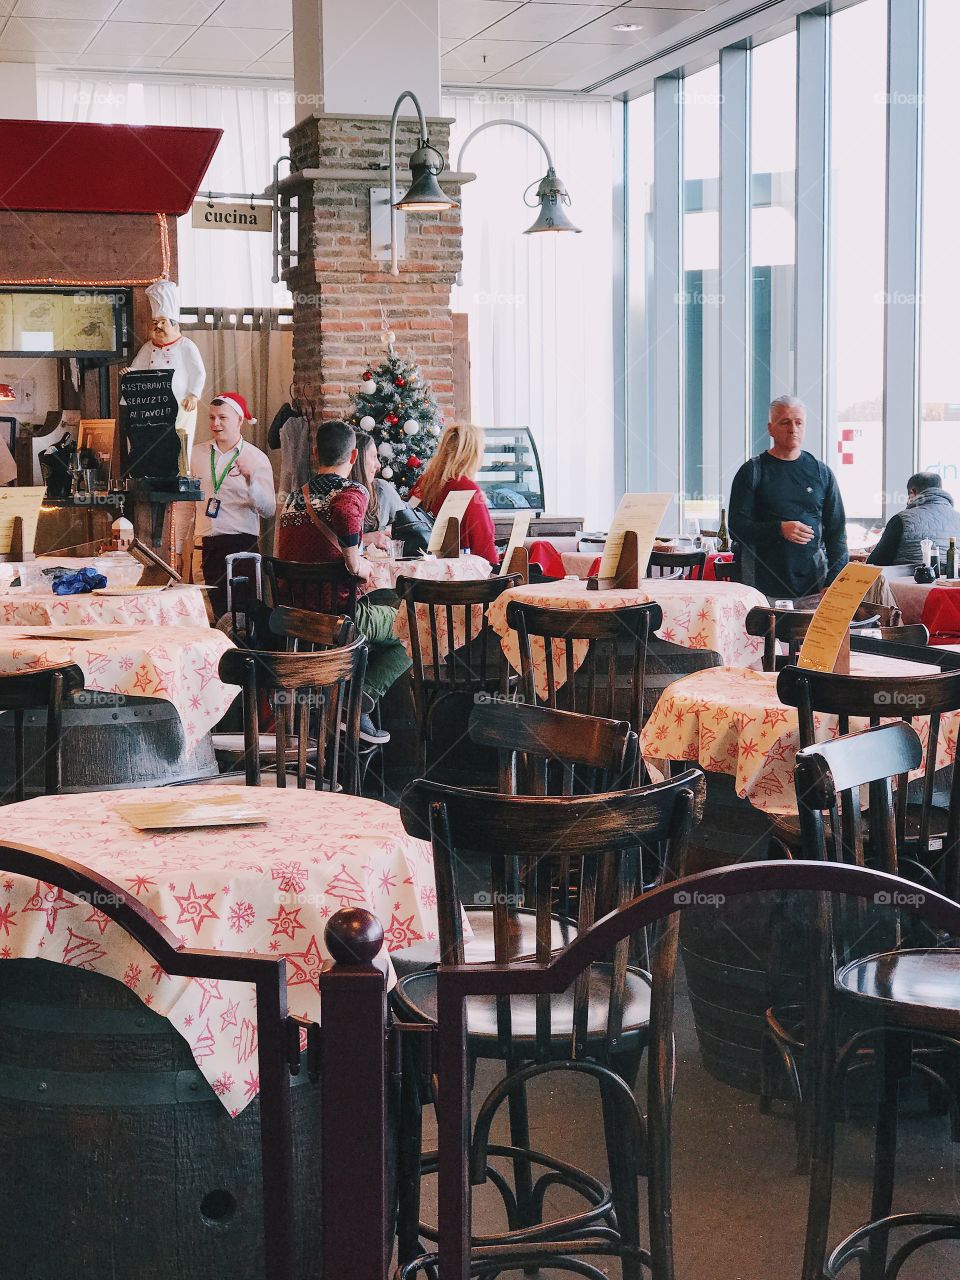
{"points": [[479, 640]]}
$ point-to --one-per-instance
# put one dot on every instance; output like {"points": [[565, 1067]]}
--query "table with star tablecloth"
{"points": [[732, 722], [158, 606], [268, 888], [696, 615], [177, 664]]}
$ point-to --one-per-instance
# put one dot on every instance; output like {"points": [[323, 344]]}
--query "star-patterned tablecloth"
{"points": [[464, 569], [732, 722], [268, 889], [696, 615], [163, 607], [178, 665]]}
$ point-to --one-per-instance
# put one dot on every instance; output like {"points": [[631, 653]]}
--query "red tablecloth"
{"points": [[941, 613]]}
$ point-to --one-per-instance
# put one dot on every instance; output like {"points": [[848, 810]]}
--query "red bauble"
{"points": [[414, 461], [391, 419], [399, 382], [367, 376]]}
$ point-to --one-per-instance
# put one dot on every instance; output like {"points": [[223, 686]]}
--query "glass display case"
{"points": [[510, 475]]}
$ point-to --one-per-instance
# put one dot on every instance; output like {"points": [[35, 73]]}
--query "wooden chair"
{"points": [[676, 564], [902, 1003], [314, 699], [322, 588], [305, 631], [611, 679], [598, 1027], [789, 626], [725, 571], [32, 691], [445, 684]]}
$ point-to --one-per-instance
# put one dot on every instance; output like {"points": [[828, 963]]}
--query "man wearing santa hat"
{"points": [[236, 481], [168, 349]]}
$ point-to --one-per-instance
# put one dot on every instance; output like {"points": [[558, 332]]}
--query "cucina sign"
{"points": [[232, 217]]}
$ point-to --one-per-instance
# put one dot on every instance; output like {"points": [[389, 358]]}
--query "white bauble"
{"points": [[369, 387], [386, 450], [367, 423], [434, 430], [411, 427], [389, 339], [386, 472]]}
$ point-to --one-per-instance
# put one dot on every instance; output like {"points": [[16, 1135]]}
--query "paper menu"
{"points": [[641, 512], [454, 508], [24, 503], [829, 625], [521, 527]]}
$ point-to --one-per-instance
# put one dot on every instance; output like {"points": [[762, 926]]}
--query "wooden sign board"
{"points": [[19, 513], [521, 526], [624, 560], [209, 216], [826, 646], [454, 508]]}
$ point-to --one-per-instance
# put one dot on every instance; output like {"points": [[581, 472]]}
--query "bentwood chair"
{"points": [[322, 588], [676, 564], [789, 627], [599, 1027], [314, 701], [46, 690], [897, 1006], [447, 679]]}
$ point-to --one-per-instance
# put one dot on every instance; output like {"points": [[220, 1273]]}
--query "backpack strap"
{"points": [[319, 523]]}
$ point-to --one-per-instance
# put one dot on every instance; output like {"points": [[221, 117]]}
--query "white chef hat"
{"points": [[164, 298]]}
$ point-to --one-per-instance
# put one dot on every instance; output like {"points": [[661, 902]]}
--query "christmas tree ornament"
{"points": [[368, 423], [387, 473], [414, 461], [386, 450], [368, 388], [406, 417], [368, 375], [389, 339], [411, 427], [391, 419], [399, 382]]}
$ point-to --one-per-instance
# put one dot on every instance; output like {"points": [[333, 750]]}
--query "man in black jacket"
{"points": [[929, 514], [786, 513]]}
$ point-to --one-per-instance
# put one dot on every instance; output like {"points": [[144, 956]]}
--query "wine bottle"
{"points": [[952, 558], [723, 533]]}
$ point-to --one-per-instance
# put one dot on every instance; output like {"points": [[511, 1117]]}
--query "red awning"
{"points": [[102, 168]]}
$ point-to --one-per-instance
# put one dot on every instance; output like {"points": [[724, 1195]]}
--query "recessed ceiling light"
{"points": [[628, 26]]}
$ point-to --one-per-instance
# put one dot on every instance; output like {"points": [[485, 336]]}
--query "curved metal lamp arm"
{"points": [[394, 195], [516, 125]]}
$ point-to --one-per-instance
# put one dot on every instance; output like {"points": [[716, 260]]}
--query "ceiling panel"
{"points": [[485, 57], [537, 21], [193, 12], [464, 18], [223, 44], [273, 14], [653, 23], [90, 9], [46, 35], [144, 39]]}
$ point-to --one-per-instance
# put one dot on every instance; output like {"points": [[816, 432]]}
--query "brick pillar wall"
{"points": [[338, 288]]}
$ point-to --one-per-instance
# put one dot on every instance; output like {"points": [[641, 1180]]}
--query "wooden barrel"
{"points": [[111, 741], [118, 1159], [729, 952]]}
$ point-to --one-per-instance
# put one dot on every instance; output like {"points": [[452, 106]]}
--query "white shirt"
{"points": [[242, 502], [183, 357]]}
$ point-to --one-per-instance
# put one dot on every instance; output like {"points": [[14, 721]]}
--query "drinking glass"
{"points": [[396, 549]]}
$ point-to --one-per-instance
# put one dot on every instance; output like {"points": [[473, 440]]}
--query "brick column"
{"points": [[338, 288]]}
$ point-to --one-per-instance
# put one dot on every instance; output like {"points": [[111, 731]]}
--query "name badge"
{"points": [[213, 508]]}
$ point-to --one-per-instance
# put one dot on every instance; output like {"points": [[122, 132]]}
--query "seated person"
{"points": [[332, 530], [929, 513], [454, 466], [384, 500]]}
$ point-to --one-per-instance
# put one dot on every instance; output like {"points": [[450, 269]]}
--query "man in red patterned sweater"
{"points": [[331, 529]]}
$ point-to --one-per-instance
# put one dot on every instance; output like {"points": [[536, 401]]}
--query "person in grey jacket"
{"points": [[929, 513]]}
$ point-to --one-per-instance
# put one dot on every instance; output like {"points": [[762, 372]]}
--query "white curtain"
{"points": [[541, 307], [217, 268]]}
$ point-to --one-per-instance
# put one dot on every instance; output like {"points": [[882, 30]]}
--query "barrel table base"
{"points": [[112, 741]]}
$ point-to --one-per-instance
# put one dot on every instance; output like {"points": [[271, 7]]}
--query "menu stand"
{"points": [[450, 546], [18, 552], [520, 563], [627, 576]]}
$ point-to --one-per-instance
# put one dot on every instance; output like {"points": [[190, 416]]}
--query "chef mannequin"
{"points": [[168, 349]]}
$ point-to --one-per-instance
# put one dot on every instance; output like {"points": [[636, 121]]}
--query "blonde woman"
{"points": [[454, 466]]}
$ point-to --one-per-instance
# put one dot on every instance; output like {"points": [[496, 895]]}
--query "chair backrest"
{"points": [[439, 612], [323, 588], [926, 698], [581, 648], [308, 632], [789, 626], [725, 571], [30, 691], [543, 751], [904, 642], [676, 564], [493, 835], [314, 699]]}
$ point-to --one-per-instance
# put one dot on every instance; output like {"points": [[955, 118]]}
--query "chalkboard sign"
{"points": [[148, 413]]}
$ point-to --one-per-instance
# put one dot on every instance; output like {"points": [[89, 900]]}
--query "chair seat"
{"points": [[479, 948], [232, 744], [916, 989], [416, 998]]}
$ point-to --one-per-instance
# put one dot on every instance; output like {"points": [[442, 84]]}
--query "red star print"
{"points": [[229, 1017], [6, 919], [50, 901], [206, 671], [99, 919], [748, 748], [195, 908], [140, 884], [286, 922], [775, 715], [401, 933], [306, 965], [211, 991]]}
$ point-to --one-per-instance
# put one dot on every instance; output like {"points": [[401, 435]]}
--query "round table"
{"points": [[159, 606], [696, 615], [267, 888], [731, 721]]}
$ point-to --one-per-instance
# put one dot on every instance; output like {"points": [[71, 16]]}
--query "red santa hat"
{"points": [[236, 402]]}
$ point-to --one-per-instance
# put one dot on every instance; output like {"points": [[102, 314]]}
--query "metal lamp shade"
{"points": [[552, 195], [425, 194]]}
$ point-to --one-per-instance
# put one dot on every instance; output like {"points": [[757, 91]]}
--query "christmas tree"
{"points": [[395, 405]]}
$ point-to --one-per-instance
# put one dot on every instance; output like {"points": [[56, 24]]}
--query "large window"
{"points": [[858, 170], [640, 266], [773, 229], [939, 366], [701, 300]]}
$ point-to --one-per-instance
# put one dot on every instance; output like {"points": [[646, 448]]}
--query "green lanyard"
{"points": [[218, 480]]}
